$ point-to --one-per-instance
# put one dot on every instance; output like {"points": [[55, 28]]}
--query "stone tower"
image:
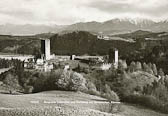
{"points": [[45, 48], [116, 58]]}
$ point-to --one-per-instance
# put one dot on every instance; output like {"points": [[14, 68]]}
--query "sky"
{"points": [[64, 12]]}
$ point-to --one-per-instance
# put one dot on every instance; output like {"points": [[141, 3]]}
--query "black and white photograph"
{"points": [[83, 57]]}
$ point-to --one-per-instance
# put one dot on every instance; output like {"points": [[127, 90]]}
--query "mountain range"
{"points": [[110, 27], [116, 26]]}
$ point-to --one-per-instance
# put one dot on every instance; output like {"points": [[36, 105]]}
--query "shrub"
{"points": [[160, 92], [165, 110], [72, 81], [86, 70], [24, 78], [109, 94], [77, 82], [110, 108], [40, 82], [63, 81], [147, 101], [28, 89], [92, 89], [11, 82], [122, 65], [52, 79]]}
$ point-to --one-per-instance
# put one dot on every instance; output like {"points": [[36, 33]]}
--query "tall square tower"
{"points": [[116, 58], [45, 48]]}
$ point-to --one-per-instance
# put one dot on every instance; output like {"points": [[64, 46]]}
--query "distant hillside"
{"points": [[10, 29], [82, 42], [44, 35], [140, 34], [19, 44]]}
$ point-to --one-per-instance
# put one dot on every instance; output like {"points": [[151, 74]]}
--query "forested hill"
{"points": [[82, 42], [153, 49]]}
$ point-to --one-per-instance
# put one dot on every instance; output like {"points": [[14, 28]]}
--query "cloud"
{"points": [[71, 11], [150, 8]]}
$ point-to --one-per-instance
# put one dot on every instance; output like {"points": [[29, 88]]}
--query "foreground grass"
{"points": [[135, 110], [44, 104], [35, 105]]}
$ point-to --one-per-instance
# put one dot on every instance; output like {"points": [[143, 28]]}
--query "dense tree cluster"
{"points": [[141, 82], [82, 42], [5, 63]]}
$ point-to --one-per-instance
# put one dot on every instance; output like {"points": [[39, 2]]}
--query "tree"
{"points": [[92, 88], [111, 54], [79, 68], [138, 66], [132, 66], [122, 65], [12, 83], [160, 92], [125, 64], [150, 65], [161, 73], [109, 94], [77, 82], [36, 53], [146, 68], [166, 81], [156, 51], [154, 68]]}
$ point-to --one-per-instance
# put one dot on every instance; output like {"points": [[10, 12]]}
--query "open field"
{"points": [[56, 103], [134, 110], [44, 104]]}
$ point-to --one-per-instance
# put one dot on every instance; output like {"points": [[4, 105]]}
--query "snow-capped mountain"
{"points": [[123, 25], [114, 26]]}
